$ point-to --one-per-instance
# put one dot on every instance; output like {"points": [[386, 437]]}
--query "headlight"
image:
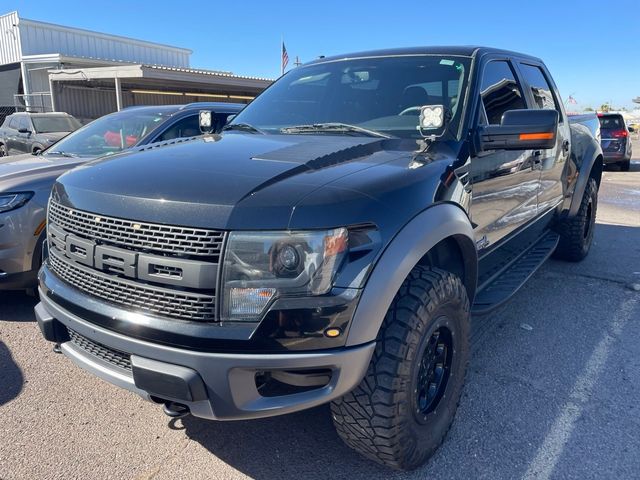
{"points": [[260, 266], [11, 201]]}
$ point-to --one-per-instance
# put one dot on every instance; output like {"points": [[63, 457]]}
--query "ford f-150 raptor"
{"points": [[330, 245]]}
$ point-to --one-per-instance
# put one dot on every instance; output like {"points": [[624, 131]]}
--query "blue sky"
{"points": [[592, 48]]}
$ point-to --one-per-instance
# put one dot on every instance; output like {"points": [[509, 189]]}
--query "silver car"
{"points": [[26, 180]]}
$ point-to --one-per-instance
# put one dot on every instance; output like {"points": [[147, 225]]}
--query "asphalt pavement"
{"points": [[552, 392]]}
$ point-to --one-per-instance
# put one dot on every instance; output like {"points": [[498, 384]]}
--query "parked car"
{"points": [[26, 132], [26, 180], [616, 144], [329, 246]]}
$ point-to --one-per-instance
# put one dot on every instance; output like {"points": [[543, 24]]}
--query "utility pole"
{"points": [[297, 63]]}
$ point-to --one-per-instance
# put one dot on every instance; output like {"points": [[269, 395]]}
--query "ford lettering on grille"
{"points": [[152, 268], [170, 283]]}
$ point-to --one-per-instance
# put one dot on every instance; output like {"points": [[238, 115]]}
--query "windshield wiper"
{"points": [[333, 127], [244, 127], [63, 154]]}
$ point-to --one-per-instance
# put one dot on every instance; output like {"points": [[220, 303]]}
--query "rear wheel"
{"points": [[576, 233], [625, 166], [3, 150], [404, 407]]}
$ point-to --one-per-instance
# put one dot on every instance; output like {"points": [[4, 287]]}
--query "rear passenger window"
{"points": [[500, 91], [540, 88]]}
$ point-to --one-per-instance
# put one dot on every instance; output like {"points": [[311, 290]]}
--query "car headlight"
{"points": [[260, 266], [11, 201]]}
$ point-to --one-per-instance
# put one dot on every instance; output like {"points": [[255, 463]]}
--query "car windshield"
{"points": [[111, 133], [377, 95], [50, 124]]}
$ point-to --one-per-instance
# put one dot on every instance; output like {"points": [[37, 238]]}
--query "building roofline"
{"points": [[139, 70], [107, 36]]}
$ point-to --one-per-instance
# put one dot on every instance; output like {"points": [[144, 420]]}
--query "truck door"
{"points": [[543, 95], [505, 183]]}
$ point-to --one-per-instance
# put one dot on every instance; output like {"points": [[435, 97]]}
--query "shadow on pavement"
{"points": [[17, 307], [300, 445], [11, 378]]}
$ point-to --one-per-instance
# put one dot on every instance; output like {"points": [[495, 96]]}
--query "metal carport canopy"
{"points": [[159, 80]]}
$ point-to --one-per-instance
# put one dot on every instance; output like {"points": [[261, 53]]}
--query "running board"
{"points": [[502, 286]]}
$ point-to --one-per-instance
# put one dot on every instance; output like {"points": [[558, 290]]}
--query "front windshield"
{"points": [[382, 94], [50, 124], [111, 133]]}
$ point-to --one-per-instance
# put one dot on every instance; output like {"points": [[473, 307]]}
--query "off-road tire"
{"points": [[3, 150], [576, 233], [380, 418], [625, 166]]}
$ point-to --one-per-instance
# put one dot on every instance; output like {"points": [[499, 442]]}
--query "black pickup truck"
{"points": [[329, 246]]}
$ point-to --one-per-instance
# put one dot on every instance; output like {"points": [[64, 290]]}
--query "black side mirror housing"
{"points": [[521, 130]]}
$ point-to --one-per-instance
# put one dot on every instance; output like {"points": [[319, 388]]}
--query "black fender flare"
{"points": [[407, 248], [589, 159]]}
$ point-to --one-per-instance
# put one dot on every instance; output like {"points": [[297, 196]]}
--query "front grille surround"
{"points": [[134, 295], [109, 355], [141, 236], [159, 297]]}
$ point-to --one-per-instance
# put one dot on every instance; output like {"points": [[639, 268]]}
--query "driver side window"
{"points": [[499, 91]]}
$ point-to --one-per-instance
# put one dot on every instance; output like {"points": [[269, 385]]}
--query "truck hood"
{"points": [[232, 181], [21, 171]]}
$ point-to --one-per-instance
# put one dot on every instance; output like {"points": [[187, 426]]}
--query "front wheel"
{"points": [[3, 150], [404, 407]]}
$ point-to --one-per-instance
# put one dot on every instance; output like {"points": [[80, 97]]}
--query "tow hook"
{"points": [[175, 410], [56, 348]]}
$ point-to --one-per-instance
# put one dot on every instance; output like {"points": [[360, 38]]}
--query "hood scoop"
{"points": [[316, 155]]}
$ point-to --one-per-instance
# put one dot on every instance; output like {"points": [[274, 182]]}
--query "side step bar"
{"points": [[502, 286]]}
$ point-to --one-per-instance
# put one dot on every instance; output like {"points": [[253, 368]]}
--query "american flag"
{"points": [[572, 100], [285, 58]]}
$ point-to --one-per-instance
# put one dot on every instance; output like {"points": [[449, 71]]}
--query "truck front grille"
{"points": [[113, 357], [163, 270], [138, 235], [134, 295]]}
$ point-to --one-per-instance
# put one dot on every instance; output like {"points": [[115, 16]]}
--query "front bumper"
{"points": [[220, 386]]}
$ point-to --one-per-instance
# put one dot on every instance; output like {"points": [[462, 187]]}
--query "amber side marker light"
{"points": [[40, 228], [332, 332], [536, 136]]}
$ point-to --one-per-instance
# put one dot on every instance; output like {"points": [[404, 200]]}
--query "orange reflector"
{"points": [[332, 332], [40, 228], [537, 136]]}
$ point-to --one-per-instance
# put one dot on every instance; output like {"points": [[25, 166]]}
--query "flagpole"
{"points": [[281, 55]]}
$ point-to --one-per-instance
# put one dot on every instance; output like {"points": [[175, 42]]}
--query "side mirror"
{"points": [[231, 117], [632, 130], [24, 130], [521, 130]]}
